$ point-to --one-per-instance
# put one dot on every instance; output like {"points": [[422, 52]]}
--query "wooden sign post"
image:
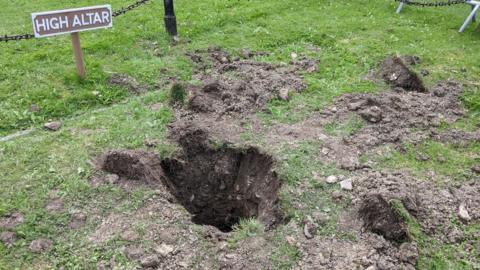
{"points": [[73, 21]]}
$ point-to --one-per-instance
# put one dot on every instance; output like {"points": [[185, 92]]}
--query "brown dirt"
{"points": [[381, 218], [55, 206], [40, 245], [133, 167], [395, 72], [220, 185], [127, 82], [10, 221], [8, 238], [234, 86]]}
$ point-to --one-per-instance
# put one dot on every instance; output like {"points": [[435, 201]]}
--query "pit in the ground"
{"points": [[219, 185]]}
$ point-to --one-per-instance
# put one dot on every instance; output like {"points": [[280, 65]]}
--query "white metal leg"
{"points": [[471, 16], [400, 7]]}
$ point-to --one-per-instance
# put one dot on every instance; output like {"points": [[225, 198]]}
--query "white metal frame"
{"points": [[471, 17]]}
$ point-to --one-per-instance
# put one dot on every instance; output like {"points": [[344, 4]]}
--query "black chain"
{"points": [[116, 13], [130, 7], [432, 4]]}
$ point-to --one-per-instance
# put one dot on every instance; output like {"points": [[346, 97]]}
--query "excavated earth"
{"points": [[215, 180]]}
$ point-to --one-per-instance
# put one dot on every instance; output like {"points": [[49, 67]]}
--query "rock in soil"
{"points": [[164, 249], [395, 72], [346, 184], [53, 126], [476, 169], [8, 238], [11, 221], [309, 227], [332, 179], [463, 212], [379, 217], [40, 245]]}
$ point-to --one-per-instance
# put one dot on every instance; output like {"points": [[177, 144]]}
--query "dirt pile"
{"points": [[381, 218], [391, 117], [432, 206], [133, 165], [233, 85], [221, 185], [395, 72]]}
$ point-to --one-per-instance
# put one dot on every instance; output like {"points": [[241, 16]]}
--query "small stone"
{"points": [[476, 169], [371, 267], [150, 261], [332, 179], [283, 94], [230, 256], [8, 238], [224, 60], [112, 178], [291, 241], [309, 228], [346, 184], [164, 249], [53, 126], [40, 245], [294, 56], [463, 212], [325, 151]]}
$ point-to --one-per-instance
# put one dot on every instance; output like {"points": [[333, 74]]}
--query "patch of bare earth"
{"points": [[215, 180]]}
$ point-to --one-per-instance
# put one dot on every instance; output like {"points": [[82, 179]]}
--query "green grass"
{"points": [[354, 124], [450, 161], [352, 37]]}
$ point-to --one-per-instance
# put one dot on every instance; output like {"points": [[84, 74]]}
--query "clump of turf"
{"points": [[177, 94]]}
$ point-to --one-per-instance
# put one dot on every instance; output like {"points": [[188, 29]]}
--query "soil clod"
{"points": [[396, 73], [140, 166], [379, 217], [10, 221], [40, 245]]}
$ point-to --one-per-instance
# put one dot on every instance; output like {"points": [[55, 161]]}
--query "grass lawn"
{"points": [[353, 37]]}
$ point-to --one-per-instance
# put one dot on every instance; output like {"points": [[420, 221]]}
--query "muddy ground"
{"points": [[215, 179]]}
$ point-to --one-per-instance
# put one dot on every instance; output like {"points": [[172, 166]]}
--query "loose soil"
{"points": [[219, 180]]}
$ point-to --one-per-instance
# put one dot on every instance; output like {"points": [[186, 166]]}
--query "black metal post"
{"points": [[170, 20]]}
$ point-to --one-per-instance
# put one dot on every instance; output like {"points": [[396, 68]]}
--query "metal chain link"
{"points": [[433, 4], [121, 11], [130, 7]]}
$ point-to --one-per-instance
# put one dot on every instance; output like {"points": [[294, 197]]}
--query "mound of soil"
{"points": [[144, 167], [233, 85], [396, 73], [379, 217], [432, 206], [391, 117], [220, 185]]}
